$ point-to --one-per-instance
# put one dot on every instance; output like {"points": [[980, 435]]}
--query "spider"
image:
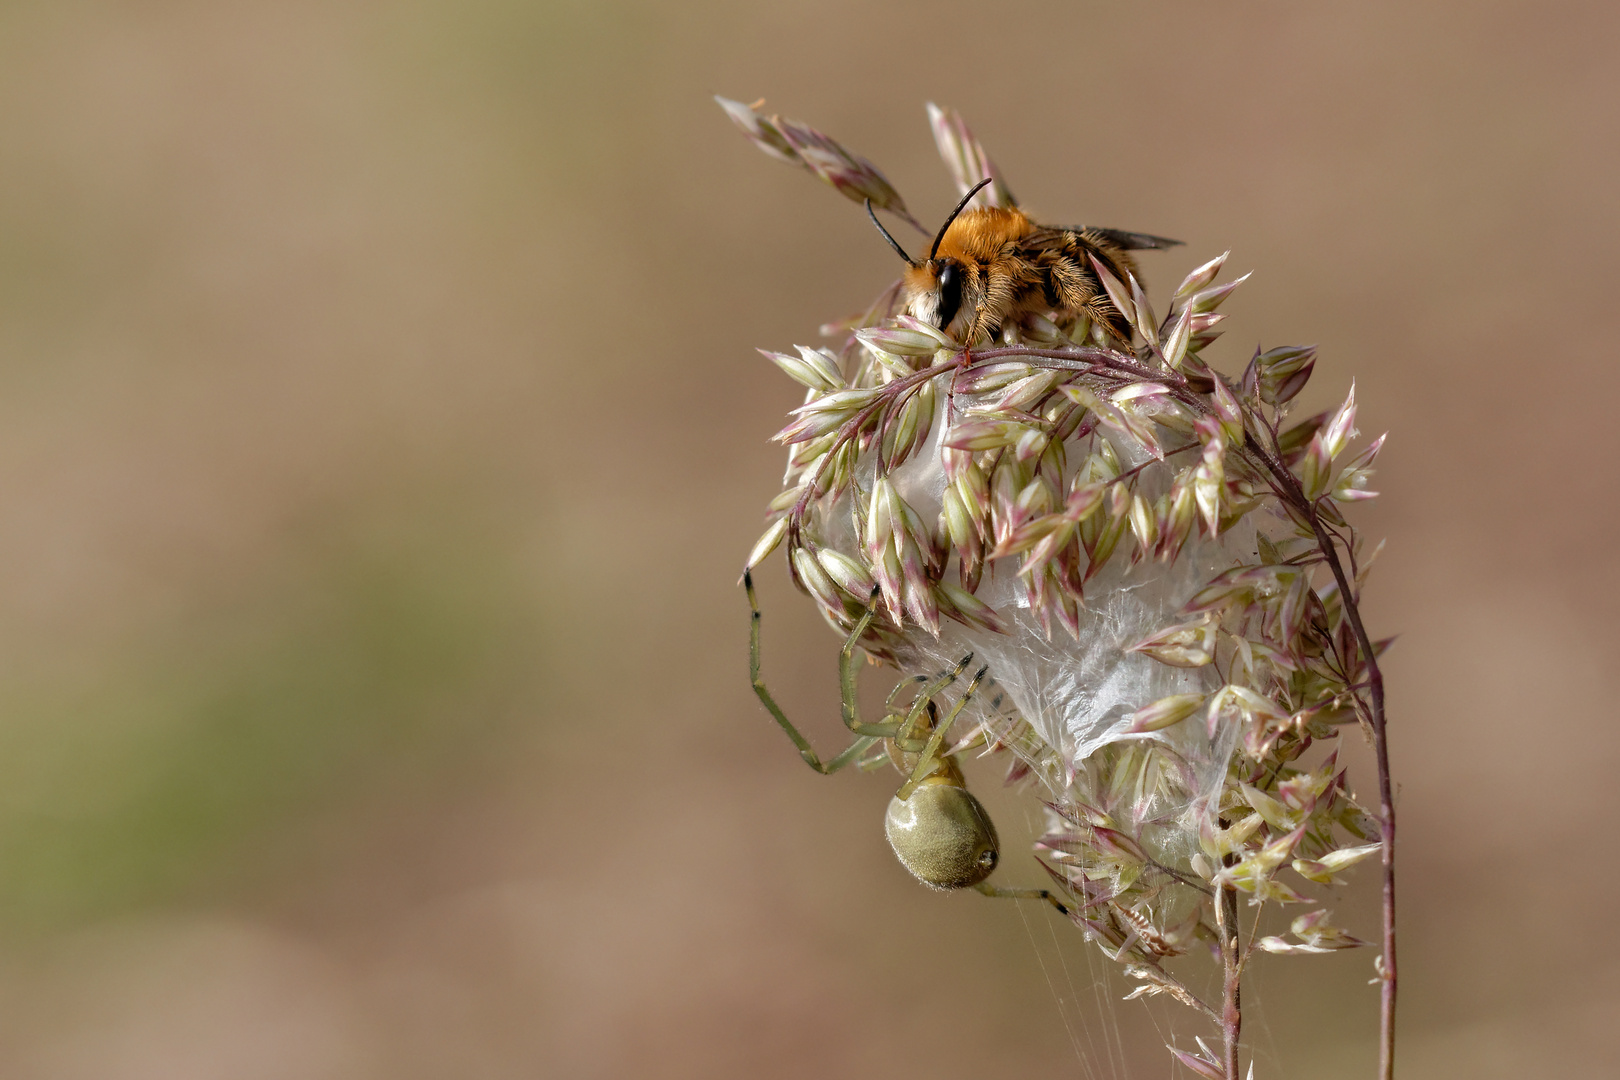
{"points": [[938, 830]]}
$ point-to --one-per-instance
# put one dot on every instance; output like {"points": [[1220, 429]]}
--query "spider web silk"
{"points": [[1078, 692]]}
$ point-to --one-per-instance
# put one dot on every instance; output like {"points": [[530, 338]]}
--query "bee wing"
{"points": [[1046, 235], [1132, 241]]}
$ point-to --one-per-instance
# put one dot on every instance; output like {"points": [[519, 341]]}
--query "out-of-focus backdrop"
{"points": [[381, 436]]}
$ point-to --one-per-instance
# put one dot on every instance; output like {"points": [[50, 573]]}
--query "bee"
{"points": [[992, 266]]}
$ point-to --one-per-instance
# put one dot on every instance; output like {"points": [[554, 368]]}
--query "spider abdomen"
{"points": [[942, 834]]}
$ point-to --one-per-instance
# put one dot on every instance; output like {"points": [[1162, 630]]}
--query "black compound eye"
{"points": [[950, 293]]}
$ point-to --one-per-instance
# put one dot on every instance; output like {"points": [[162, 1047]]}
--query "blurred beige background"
{"points": [[381, 436]]}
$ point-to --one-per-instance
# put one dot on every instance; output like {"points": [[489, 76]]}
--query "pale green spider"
{"points": [[938, 830]]}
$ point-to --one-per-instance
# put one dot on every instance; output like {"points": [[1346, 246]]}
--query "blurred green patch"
{"points": [[183, 757]]}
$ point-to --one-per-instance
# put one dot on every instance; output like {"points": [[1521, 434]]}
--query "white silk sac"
{"points": [[1078, 692]]}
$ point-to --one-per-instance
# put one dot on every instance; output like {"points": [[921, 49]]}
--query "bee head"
{"points": [[935, 291], [934, 286]]}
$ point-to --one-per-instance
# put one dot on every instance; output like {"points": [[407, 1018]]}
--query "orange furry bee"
{"points": [[991, 266]]}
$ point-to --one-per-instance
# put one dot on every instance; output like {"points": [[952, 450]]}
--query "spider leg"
{"points": [[930, 754], [806, 751], [1022, 894], [849, 668], [905, 736], [888, 703]]}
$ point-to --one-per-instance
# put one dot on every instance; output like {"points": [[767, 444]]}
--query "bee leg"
{"points": [[1101, 311]]}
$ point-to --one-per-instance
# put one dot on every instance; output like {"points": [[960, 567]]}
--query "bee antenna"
{"points": [[974, 190], [892, 241]]}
